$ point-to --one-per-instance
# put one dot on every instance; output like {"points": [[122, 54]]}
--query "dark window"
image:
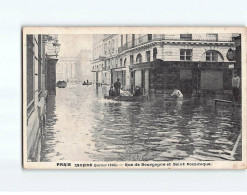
{"points": [[121, 62], [154, 53], [186, 54], [186, 37], [105, 48], [124, 62], [139, 58], [148, 56], [121, 40], [149, 37], [131, 59], [212, 56], [133, 40]]}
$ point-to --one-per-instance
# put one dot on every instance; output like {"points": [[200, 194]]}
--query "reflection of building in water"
{"points": [[162, 62]]}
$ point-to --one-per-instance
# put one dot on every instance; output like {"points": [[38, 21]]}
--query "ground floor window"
{"points": [[186, 54]]}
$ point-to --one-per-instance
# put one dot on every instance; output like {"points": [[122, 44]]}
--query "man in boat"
{"points": [[117, 86], [177, 94], [111, 92], [137, 91], [235, 87]]}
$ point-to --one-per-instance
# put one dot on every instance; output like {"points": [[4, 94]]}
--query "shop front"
{"points": [[189, 77], [119, 73]]}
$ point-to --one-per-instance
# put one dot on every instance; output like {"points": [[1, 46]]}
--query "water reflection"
{"points": [[82, 126]]}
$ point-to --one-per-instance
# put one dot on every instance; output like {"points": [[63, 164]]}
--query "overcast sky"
{"points": [[71, 45]]}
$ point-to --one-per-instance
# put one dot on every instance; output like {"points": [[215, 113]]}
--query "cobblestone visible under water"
{"points": [[82, 126]]}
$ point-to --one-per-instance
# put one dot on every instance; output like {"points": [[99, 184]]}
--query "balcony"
{"points": [[159, 37]]}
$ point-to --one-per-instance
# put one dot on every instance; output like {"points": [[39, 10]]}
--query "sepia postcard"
{"points": [[134, 97]]}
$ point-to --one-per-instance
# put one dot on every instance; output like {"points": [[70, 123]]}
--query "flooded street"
{"points": [[107, 130]]}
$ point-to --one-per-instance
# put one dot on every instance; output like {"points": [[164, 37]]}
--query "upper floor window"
{"points": [[148, 56], [121, 62], [113, 45], [105, 49], [185, 54], [149, 37], [186, 37], [131, 59], [154, 53], [213, 37], [212, 56], [139, 58]]}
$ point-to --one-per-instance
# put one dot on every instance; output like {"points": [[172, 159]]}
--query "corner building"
{"points": [[161, 62]]}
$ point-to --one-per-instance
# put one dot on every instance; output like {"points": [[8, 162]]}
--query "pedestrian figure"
{"points": [[117, 86], [235, 87], [177, 94]]}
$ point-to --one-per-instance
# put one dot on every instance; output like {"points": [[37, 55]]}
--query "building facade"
{"points": [[68, 69], [161, 62], [40, 66]]}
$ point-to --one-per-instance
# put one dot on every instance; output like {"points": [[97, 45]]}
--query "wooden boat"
{"points": [[89, 83], [126, 98], [61, 84]]}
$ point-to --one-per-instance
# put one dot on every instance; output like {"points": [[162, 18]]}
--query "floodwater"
{"points": [[83, 126]]}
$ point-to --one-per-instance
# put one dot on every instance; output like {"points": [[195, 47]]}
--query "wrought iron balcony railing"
{"points": [[158, 37]]}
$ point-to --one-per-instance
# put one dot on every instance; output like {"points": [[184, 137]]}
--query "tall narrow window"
{"points": [[154, 53], [113, 45], [133, 40], [186, 54], [139, 58], [121, 40], [131, 59], [149, 37], [148, 56], [121, 62]]}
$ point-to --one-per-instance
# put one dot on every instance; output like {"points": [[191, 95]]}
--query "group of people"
{"points": [[115, 90], [177, 93]]}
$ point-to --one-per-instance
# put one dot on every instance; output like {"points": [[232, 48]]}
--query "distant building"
{"points": [[68, 69], [40, 71], [161, 62], [84, 60]]}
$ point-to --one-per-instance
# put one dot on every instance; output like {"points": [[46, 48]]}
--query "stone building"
{"points": [[161, 62], [68, 69], [40, 75], [84, 61]]}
